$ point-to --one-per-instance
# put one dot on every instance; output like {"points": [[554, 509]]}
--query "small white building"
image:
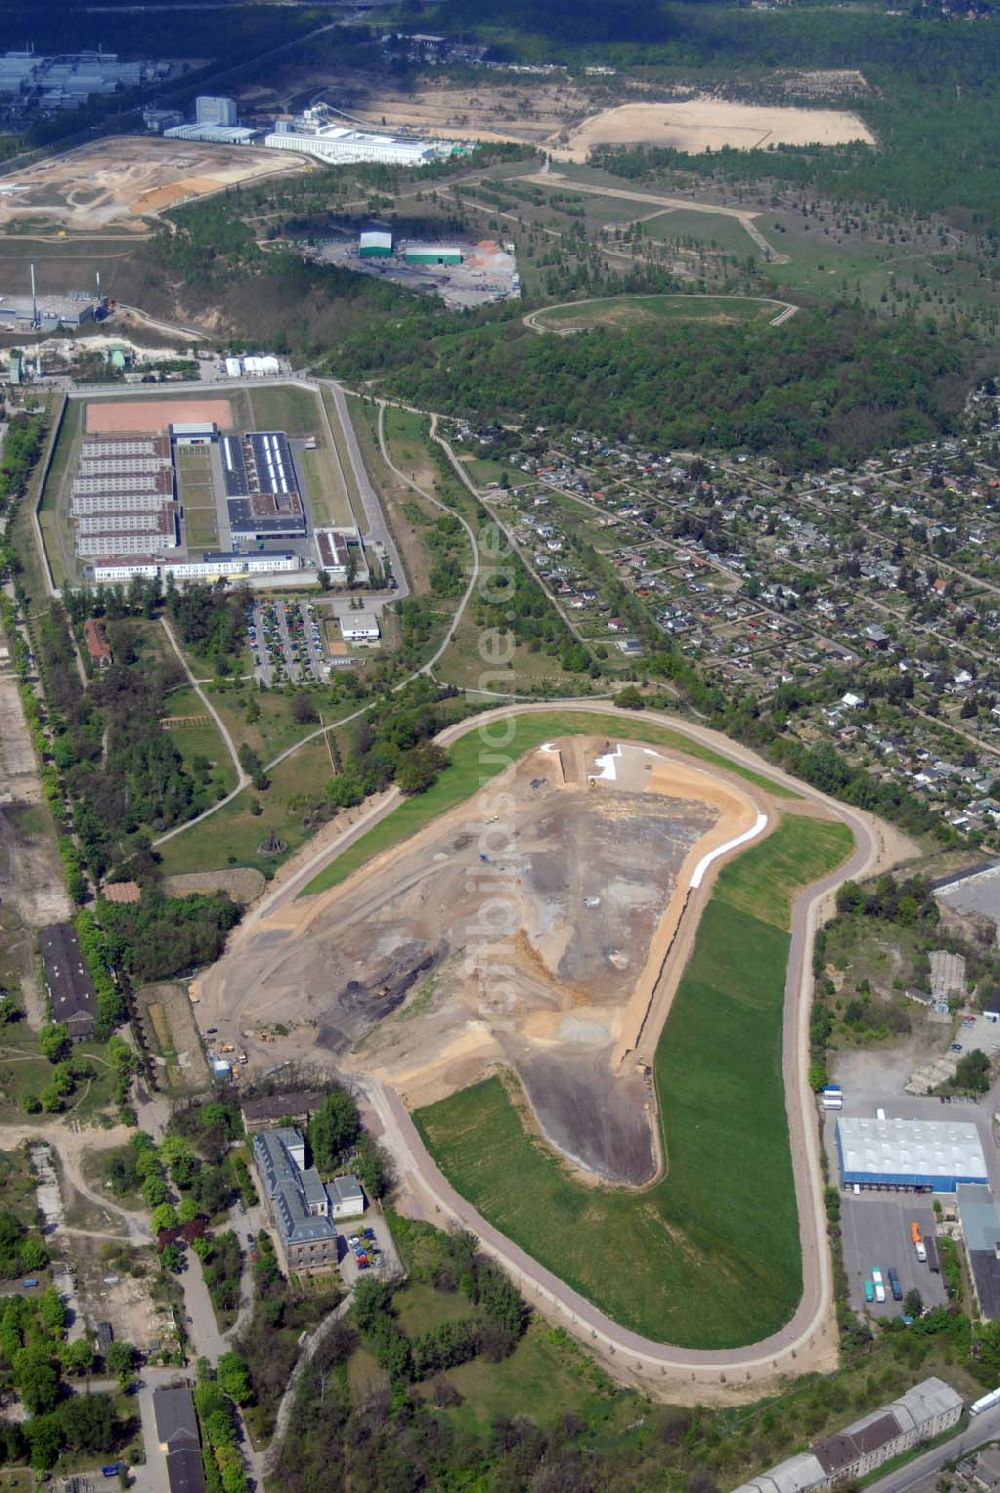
{"points": [[346, 1197], [360, 627]]}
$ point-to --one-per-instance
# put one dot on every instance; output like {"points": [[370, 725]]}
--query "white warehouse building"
{"points": [[211, 109], [339, 145], [931, 1155]]}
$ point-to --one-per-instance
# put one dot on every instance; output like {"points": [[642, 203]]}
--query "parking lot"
{"points": [[875, 1228], [286, 643], [367, 1249]]}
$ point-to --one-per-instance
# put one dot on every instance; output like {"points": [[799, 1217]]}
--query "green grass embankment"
{"points": [[708, 1257]]}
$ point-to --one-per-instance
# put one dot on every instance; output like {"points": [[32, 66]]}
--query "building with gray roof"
{"points": [[298, 1205], [67, 979], [924, 1412], [977, 1212], [179, 1438]]}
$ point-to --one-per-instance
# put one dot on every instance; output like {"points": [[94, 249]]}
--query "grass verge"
{"points": [[708, 1257]]}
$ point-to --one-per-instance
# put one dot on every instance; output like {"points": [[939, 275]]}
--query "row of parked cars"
{"points": [[366, 1249]]}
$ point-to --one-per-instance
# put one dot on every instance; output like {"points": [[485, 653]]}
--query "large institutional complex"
{"points": [[300, 1206], [314, 133], [126, 513]]}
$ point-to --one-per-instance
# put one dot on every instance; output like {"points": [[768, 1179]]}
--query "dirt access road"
{"points": [[745, 219], [809, 1341], [531, 321], [395, 973]]}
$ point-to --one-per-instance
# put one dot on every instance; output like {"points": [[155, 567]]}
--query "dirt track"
{"points": [[153, 416]]}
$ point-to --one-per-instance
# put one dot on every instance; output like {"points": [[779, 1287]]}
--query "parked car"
{"points": [[869, 1292], [956, 1047]]}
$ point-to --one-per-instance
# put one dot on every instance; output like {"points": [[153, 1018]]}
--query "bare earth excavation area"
{"points": [[696, 125], [120, 180], [536, 941]]}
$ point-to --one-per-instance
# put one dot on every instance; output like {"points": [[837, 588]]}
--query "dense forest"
{"points": [[824, 389]]}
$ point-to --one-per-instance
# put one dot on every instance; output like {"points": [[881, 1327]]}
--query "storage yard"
{"points": [[393, 974], [462, 274]]}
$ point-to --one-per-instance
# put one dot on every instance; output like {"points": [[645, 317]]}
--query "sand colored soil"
{"points": [[702, 124], [153, 416], [538, 941], [647, 1010], [116, 181]]}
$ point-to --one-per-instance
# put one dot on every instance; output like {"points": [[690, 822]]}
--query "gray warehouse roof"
{"points": [[978, 1213], [291, 1190], [797, 1475], [68, 978], [893, 1149], [176, 1422], [924, 1401]]}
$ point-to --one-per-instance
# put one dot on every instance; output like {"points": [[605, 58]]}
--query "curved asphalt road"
{"points": [[809, 1339]]}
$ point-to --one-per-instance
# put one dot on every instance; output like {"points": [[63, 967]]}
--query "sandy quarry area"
{"points": [[532, 111], [154, 416], [118, 181], [701, 124], [432, 965]]}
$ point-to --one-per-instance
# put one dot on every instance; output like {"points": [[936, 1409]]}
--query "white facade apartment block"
{"points": [[111, 466], [140, 445], [122, 481], [95, 546], [120, 523], [119, 571], [116, 502]]}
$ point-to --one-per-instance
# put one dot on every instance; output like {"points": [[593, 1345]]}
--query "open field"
{"points": [[118, 181], [696, 125], [169, 1025], [233, 834], [195, 491], [726, 1209], [629, 312], [154, 415]]}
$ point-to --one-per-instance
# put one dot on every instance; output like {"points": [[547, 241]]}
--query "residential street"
{"points": [[920, 1475]]}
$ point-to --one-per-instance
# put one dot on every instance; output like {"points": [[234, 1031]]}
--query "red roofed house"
{"points": [[97, 643]]}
